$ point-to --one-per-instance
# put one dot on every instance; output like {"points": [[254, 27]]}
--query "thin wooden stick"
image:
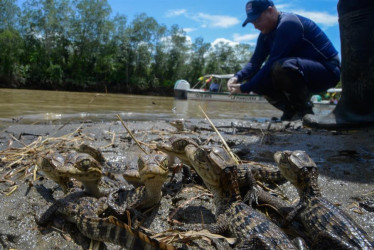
{"points": [[35, 171], [111, 142], [220, 136], [372, 192], [14, 188], [132, 136]]}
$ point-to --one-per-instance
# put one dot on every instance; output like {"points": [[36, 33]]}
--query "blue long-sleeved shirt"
{"points": [[294, 36]]}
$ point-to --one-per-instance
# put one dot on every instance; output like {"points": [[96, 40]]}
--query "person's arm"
{"points": [[289, 33], [259, 56]]}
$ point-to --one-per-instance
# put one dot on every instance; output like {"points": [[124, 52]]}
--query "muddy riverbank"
{"points": [[345, 160]]}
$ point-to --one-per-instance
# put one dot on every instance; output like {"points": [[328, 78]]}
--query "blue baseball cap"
{"points": [[254, 8]]}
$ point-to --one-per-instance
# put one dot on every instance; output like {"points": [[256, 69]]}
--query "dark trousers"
{"points": [[294, 80]]}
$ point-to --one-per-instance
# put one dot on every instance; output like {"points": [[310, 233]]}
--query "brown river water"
{"points": [[32, 106]]}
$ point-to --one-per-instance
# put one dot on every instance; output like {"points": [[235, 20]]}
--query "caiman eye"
{"points": [[84, 164]]}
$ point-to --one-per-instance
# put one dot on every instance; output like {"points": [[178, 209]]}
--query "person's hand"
{"points": [[232, 80], [233, 86]]}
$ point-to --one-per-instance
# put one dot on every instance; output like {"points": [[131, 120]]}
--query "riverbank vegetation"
{"points": [[82, 45]]}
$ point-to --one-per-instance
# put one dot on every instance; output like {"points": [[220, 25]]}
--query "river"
{"points": [[33, 106]]}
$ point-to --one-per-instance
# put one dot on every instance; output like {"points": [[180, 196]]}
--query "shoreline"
{"points": [[345, 160]]}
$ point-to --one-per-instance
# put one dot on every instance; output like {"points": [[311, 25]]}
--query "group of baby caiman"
{"points": [[108, 213]]}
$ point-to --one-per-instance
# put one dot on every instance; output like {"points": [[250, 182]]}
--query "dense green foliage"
{"points": [[80, 45]]}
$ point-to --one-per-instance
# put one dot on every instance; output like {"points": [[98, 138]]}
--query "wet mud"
{"points": [[345, 159]]}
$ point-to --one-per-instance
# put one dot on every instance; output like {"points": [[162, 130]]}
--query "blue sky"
{"points": [[221, 20]]}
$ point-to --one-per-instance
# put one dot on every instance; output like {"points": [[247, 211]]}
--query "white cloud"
{"points": [[216, 21], [174, 13], [188, 40], [188, 30], [206, 20], [245, 38], [224, 40], [283, 6], [322, 18]]}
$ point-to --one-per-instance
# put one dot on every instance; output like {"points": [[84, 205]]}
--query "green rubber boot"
{"points": [[356, 106]]}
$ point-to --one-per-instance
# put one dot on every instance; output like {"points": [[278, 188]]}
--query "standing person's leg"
{"points": [[356, 106]]}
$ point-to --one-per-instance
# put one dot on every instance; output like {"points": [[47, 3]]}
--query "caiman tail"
{"points": [[112, 230]]}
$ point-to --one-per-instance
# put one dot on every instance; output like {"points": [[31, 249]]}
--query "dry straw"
{"points": [[227, 148], [132, 136]]}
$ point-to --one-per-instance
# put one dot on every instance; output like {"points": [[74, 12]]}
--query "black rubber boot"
{"points": [[356, 106], [290, 82], [281, 102], [300, 99]]}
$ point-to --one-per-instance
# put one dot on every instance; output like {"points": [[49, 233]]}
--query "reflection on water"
{"points": [[30, 106]]}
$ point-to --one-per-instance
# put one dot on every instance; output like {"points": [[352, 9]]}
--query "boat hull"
{"points": [[180, 94], [192, 94], [219, 96]]}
